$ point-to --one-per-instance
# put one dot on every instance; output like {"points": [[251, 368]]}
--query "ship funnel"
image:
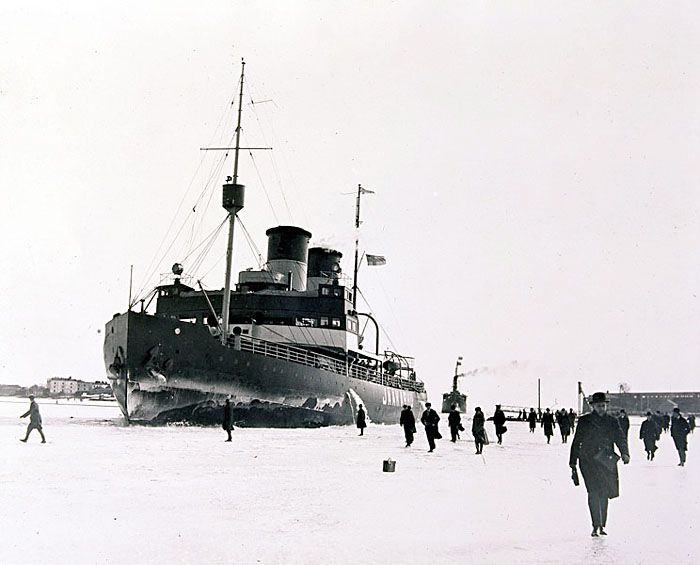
{"points": [[287, 251], [324, 262]]}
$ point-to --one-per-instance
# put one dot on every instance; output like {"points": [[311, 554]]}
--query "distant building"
{"points": [[639, 402], [18, 390], [11, 390], [71, 386]]}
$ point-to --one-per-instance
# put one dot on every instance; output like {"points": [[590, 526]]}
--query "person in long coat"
{"points": [[227, 423], [649, 433], [624, 422], [478, 429], [659, 421], [361, 420], [572, 419], [454, 420], [564, 426], [679, 432], [408, 421], [691, 422], [666, 421], [593, 449], [499, 419], [430, 420], [548, 424], [34, 420], [532, 419]]}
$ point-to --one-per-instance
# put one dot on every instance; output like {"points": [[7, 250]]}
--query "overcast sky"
{"points": [[535, 167]]}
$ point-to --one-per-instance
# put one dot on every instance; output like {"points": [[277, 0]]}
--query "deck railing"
{"points": [[319, 361]]}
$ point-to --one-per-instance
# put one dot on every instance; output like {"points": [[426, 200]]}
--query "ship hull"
{"points": [[163, 369]]}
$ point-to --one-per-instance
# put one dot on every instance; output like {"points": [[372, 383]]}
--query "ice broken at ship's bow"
{"points": [[284, 345]]}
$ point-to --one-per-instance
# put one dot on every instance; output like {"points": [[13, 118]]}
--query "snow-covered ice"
{"points": [[100, 492]]}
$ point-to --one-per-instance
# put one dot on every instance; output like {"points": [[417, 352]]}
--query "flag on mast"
{"points": [[375, 260]]}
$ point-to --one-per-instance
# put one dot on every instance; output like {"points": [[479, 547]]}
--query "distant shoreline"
{"points": [[60, 401]]}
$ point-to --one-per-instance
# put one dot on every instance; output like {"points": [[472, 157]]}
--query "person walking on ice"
{"points": [[34, 420], [454, 420], [649, 433], [532, 419], [624, 421], [499, 420], [478, 430], [593, 449], [227, 424], [564, 426], [430, 420], [548, 424], [679, 432], [408, 421], [361, 420]]}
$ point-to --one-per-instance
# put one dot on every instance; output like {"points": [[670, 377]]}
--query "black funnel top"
{"points": [[287, 242]]}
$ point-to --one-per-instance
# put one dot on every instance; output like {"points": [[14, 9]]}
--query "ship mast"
{"points": [[233, 199], [357, 247]]}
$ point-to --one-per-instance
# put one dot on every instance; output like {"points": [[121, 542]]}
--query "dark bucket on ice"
{"points": [[389, 466]]}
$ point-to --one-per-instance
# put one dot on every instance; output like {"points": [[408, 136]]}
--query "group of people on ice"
{"points": [[592, 447], [548, 421], [655, 424]]}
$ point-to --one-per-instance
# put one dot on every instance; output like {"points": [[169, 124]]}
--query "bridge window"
{"points": [[335, 322], [308, 322], [324, 321], [325, 291]]}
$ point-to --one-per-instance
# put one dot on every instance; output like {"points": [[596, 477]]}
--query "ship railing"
{"points": [[319, 361]]}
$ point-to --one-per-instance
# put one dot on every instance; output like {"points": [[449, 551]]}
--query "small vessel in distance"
{"points": [[285, 344], [454, 396]]}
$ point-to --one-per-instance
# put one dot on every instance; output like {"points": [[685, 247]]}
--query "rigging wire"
{"points": [[251, 243], [391, 308], [149, 274], [139, 294], [216, 264], [255, 165], [381, 327], [197, 263], [275, 168], [210, 234], [208, 187], [281, 187], [209, 199]]}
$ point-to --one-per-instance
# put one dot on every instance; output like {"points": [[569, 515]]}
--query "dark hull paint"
{"points": [[163, 369]]}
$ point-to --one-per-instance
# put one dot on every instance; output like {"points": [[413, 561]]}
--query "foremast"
{"points": [[233, 201]]}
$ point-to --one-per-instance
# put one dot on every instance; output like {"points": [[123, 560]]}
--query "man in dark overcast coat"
{"points": [[592, 448], [408, 421], [430, 420]]}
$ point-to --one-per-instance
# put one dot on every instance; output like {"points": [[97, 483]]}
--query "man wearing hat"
{"points": [[499, 420], [649, 433], [34, 420], [593, 449], [408, 421], [430, 420], [227, 423], [624, 421], [478, 430], [679, 432]]}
